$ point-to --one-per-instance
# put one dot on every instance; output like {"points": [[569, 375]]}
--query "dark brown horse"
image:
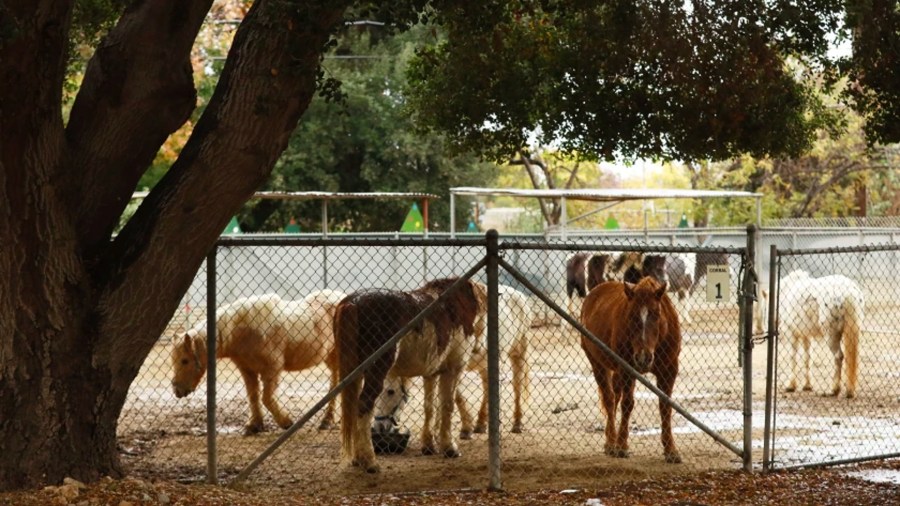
{"points": [[438, 349], [640, 324], [584, 271]]}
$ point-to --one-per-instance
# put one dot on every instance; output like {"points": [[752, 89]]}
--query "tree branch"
{"points": [[529, 168], [138, 88], [268, 81]]}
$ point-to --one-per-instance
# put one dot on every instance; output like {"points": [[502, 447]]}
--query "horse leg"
{"points": [[520, 388], [251, 381], [792, 384], [665, 381], [448, 381], [270, 385], [607, 406], [684, 306], [481, 423], [807, 385], [465, 416], [327, 422], [623, 385], [427, 434], [834, 342], [363, 448]]}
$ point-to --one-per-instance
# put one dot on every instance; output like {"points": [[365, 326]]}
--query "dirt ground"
{"points": [[163, 438]]}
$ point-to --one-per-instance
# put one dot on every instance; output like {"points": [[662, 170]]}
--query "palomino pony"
{"points": [[438, 349], [263, 335], [829, 307], [640, 324], [515, 317]]}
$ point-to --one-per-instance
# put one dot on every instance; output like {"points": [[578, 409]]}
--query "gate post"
{"points": [[493, 358], [748, 287], [772, 334], [212, 473]]}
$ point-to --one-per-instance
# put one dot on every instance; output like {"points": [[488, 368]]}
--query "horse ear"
{"points": [[661, 290], [629, 290], [186, 342]]}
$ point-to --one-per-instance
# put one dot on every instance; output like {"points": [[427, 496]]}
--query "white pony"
{"points": [[829, 307], [264, 335], [515, 317]]}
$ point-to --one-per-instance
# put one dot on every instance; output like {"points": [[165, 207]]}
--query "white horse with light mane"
{"points": [[515, 317], [263, 335], [829, 307]]}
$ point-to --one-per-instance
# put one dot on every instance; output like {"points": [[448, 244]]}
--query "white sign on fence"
{"points": [[718, 283]]}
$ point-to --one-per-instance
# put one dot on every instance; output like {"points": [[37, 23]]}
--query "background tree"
{"points": [[80, 308], [365, 142]]}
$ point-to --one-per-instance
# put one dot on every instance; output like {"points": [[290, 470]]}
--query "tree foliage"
{"points": [[676, 80], [365, 142]]}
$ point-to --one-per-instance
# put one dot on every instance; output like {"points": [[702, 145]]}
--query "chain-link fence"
{"points": [[834, 365], [285, 290]]}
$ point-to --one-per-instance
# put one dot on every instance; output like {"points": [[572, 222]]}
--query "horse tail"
{"points": [[853, 320], [346, 325]]}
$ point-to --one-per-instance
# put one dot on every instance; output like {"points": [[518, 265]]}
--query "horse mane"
{"points": [[459, 310], [596, 270]]}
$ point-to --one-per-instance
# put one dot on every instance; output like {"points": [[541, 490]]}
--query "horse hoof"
{"points": [[428, 450], [619, 453], [516, 429], [286, 424], [673, 458], [451, 453], [465, 435], [480, 429], [790, 389], [372, 469], [851, 395], [807, 388], [326, 425], [253, 429]]}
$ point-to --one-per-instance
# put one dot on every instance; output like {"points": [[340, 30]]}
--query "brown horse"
{"points": [[640, 324], [263, 335], [438, 349]]}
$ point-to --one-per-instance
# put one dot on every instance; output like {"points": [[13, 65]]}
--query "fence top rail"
{"points": [[837, 249], [269, 240], [516, 244], [829, 230]]}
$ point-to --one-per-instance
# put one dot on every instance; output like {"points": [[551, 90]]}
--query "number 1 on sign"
{"points": [[718, 284]]}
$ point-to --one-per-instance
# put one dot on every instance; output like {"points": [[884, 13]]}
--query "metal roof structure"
{"points": [[315, 195], [612, 196], [327, 196], [605, 194]]}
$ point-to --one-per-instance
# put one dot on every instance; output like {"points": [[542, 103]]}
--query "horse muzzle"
{"points": [[642, 361], [384, 424], [180, 391]]}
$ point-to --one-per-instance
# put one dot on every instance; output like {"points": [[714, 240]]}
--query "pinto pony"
{"points": [[640, 324], [829, 307], [515, 316], [438, 349], [263, 335]]}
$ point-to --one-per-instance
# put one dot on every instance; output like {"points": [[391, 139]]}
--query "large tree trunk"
{"points": [[79, 312]]}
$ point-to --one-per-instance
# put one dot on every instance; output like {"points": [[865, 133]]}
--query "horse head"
{"points": [[389, 404], [645, 322], [655, 267], [188, 363]]}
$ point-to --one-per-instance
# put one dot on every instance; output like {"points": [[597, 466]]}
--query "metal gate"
{"points": [[832, 307]]}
